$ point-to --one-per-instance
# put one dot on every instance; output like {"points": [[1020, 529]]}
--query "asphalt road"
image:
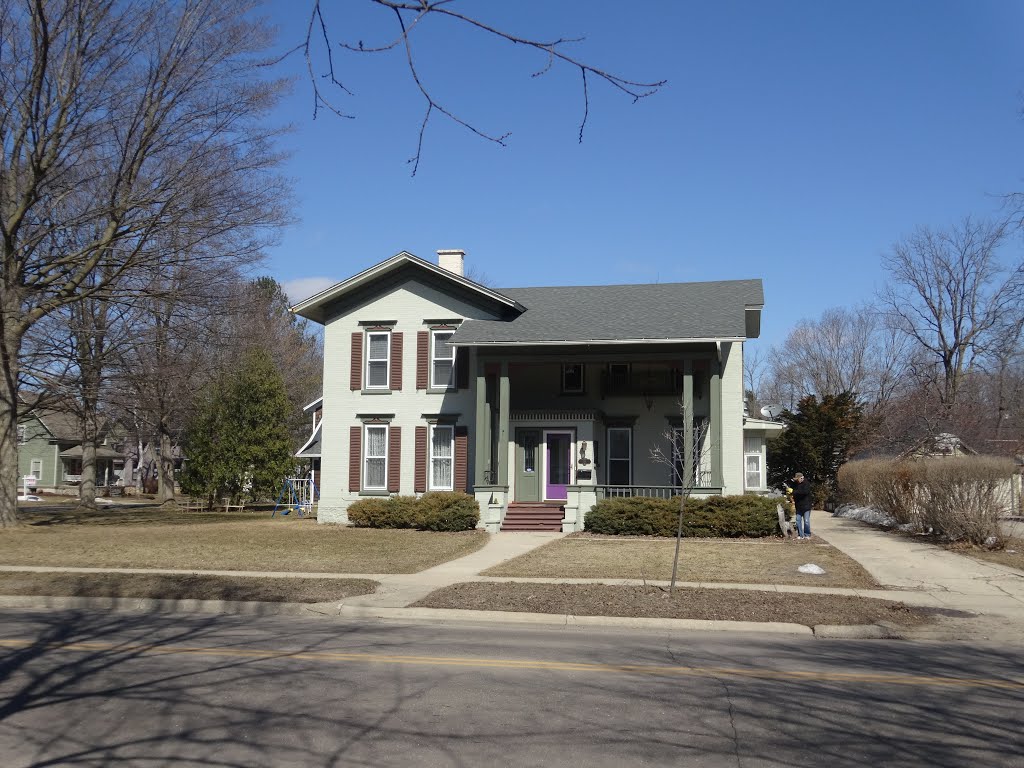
{"points": [[95, 689]]}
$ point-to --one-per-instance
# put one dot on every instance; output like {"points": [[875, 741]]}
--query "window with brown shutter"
{"points": [[420, 474], [355, 457], [394, 458], [356, 381], [462, 459], [396, 361], [422, 359], [462, 368]]}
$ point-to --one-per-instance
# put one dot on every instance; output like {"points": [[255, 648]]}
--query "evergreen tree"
{"points": [[237, 443], [817, 441]]}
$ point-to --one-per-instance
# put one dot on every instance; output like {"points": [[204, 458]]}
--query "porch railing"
{"points": [[653, 491]]}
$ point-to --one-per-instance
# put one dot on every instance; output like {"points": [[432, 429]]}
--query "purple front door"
{"points": [[557, 469]]}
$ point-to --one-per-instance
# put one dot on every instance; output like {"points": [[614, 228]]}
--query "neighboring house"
{"points": [[539, 401], [942, 445], [50, 451]]}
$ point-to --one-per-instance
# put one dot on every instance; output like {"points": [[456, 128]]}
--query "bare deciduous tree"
{"points": [[408, 15], [121, 122], [953, 299]]}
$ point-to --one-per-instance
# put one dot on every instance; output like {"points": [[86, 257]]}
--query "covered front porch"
{"points": [[558, 431]]}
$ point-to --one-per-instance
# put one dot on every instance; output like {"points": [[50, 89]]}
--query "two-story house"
{"points": [[539, 401]]}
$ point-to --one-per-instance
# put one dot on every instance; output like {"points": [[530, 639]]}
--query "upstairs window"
{"points": [[442, 369], [572, 378], [21, 434], [378, 361]]}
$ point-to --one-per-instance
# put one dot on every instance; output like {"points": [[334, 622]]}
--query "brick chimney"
{"points": [[454, 261]]}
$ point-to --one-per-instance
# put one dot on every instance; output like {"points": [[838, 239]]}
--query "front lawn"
{"points": [[743, 561], [238, 542], [167, 586], [686, 603]]}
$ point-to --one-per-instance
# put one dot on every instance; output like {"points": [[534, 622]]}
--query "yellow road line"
{"points": [[531, 664]]}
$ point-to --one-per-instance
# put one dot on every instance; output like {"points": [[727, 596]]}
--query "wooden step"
{"points": [[532, 516]]}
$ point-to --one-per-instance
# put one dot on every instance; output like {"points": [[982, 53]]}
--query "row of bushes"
{"points": [[434, 511], [712, 517], [960, 498]]}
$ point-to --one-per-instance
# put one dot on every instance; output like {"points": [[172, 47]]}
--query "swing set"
{"points": [[298, 494]]}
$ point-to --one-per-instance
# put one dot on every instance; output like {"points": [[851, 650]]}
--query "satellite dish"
{"points": [[772, 411]]}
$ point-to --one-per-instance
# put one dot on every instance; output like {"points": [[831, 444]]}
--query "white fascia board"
{"points": [[369, 274], [312, 438], [577, 342], [314, 403]]}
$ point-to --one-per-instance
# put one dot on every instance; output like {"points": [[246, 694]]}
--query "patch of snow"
{"points": [[29, 497], [865, 514], [817, 570]]}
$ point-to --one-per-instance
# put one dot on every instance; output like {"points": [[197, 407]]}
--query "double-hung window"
{"points": [[375, 458], [378, 360], [21, 434], [620, 451], [572, 378], [442, 453], [752, 463], [442, 368]]}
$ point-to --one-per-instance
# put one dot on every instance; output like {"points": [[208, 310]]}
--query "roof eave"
{"points": [[311, 308], [576, 342]]}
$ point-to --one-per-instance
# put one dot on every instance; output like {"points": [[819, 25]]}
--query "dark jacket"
{"points": [[802, 496]]}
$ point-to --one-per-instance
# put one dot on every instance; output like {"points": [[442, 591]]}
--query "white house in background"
{"points": [[540, 401]]}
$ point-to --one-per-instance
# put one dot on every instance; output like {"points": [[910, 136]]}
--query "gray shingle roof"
{"points": [[711, 310]]}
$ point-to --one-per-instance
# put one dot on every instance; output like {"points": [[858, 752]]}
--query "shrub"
{"points": [[447, 511], [959, 498], [384, 512], [437, 511], [714, 517]]}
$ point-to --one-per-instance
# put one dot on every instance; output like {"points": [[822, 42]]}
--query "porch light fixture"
{"points": [[648, 400]]}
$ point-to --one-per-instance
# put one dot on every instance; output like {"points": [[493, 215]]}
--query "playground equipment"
{"points": [[298, 494]]}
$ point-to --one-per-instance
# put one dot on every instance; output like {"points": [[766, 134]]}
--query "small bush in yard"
{"points": [[714, 517], [447, 511], [436, 511], [384, 512]]}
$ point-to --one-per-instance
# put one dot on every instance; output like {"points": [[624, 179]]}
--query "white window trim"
{"points": [[386, 359], [434, 359], [450, 458], [36, 468], [367, 456], [22, 434], [628, 459], [583, 379], [760, 471]]}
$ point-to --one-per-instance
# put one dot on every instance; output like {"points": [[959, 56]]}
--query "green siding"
{"points": [[38, 446]]}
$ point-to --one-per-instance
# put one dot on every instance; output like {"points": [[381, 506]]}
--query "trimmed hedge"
{"points": [[435, 511], [960, 498], [713, 517]]}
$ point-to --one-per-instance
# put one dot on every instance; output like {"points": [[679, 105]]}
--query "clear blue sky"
{"points": [[794, 141]]}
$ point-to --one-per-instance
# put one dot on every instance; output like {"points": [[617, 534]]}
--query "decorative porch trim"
{"points": [[554, 415]]}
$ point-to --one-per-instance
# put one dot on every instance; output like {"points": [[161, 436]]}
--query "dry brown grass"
{"points": [[1012, 555], [653, 602], [236, 544], [746, 561], [183, 587]]}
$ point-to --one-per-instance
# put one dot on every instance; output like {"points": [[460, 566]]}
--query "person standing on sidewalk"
{"points": [[801, 490]]}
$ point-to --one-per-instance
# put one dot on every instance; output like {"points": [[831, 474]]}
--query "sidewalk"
{"points": [[985, 600], [924, 574]]}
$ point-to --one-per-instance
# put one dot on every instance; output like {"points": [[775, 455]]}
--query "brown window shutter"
{"points": [[394, 458], [356, 381], [396, 362], [422, 359], [462, 368], [461, 459], [420, 476], [355, 457]]}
